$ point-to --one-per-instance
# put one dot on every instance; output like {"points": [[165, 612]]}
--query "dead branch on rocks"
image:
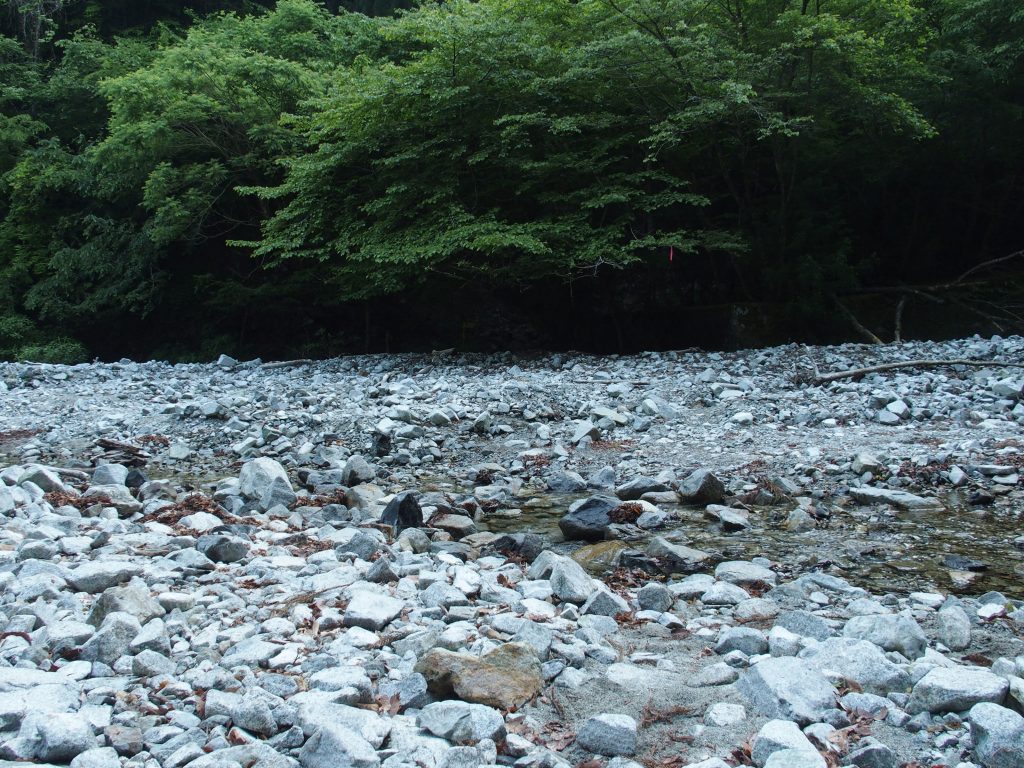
{"points": [[825, 378], [857, 324]]}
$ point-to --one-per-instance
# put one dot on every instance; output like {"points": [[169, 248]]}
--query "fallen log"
{"points": [[825, 378]]}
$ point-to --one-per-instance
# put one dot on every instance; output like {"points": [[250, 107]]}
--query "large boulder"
{"points": [[403, 511], [506, 678], [677, 558], [588, 520], [701, 487], [998, 735], [258, 475], [889, 631], [788, 689], [461, 722], [859, 661], [608, 734], [955, 689]]}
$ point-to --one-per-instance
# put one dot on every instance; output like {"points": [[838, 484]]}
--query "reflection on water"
{"points": [[880, 550]]}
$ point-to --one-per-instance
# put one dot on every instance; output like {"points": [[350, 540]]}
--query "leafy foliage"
{"points": [[232, 170]]}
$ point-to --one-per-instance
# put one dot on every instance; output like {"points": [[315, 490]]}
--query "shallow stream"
{"points": [[880, 551]]}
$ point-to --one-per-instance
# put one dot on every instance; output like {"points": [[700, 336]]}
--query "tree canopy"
{"points": [[184, 177]]}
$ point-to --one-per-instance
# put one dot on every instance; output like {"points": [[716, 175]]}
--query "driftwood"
{"points": [[862, 329], [121, 453], [825, 378], [956, 293]]}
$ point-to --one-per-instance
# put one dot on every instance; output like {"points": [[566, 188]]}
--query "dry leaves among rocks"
{"points": [[63, 499], [189, 505], [554, 735]]}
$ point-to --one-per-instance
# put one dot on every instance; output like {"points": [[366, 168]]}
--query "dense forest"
{"points": [[179, 179]]}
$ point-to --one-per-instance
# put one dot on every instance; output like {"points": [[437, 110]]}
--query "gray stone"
{"points": [[566, 481], [805, 624], [371, 610], [569, 582], [638, 486], [678, 558], [747, 640], [223, 548], [777, 735], [714, 674], [588, 520], [100, 757], [356, 471], [859, 661], [110, 474], [402, 512], [410, 691], [99, 575], [725, 715], [258, 475], [278, 493], [731, 519], [117, 496], [787, 688], [892, 632], [902, 499], [113, 639], [702, 487], [608, 734], [870, 753], [998, 735], [953, 628], [44, 477], [654, 596], [150, 663], [724, 593], [362, 545], [795, 758], [955, 689], [604, 603], [132, 598], [63, 737], [461, 722]]}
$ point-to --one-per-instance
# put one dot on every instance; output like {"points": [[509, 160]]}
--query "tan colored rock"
{"points": [[505, 678], [600, 556]]}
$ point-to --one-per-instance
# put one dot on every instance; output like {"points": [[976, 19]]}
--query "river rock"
{"points": [[334, 745], [953, 628], [892, 632], [702, 487], [902, 499], [402, 512], [461, 722], [744, 573], [505, 678], [588, 520], [97, 576], [859, 661], [608, 734], [258, 475], [677, 558], [569, 582], [371, 610], [998, 735], [638, 486], [777, 735], [787, 688], [956, 689]]}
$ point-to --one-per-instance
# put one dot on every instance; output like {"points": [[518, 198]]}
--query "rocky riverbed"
{"points": [[674, 559]]}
